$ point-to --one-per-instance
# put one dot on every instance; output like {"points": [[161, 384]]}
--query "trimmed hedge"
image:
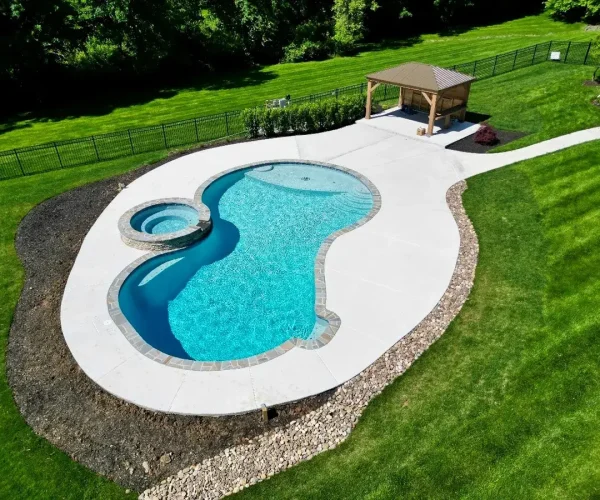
{"points": [[303, 118]]}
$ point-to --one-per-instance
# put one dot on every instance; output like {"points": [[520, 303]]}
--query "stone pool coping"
{"points": [[166, 241], [321, 311], [382, 278]]}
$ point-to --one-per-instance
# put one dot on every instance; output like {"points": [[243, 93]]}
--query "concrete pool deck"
{"points": [[382, 278]]}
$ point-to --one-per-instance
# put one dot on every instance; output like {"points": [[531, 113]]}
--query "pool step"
{"points": [[354, 201]]}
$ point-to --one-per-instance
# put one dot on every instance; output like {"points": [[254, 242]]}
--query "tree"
{"points": [[450, 11], [349, 27], [575, 10], [36, 39]]}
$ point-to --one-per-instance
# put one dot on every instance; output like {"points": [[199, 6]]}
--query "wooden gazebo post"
{"points": [[432, 111], [369, 98]]}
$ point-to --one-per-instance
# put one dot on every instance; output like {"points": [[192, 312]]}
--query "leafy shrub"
{"points": [[594, 54], [486, 135], [267, 122], [251, 122], [282, 121], [295, 119], [574, 10], [305, 51], [318, 116], [303, 118], [331, 112]]}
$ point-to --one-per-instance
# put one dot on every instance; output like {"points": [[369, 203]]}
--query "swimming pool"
{"points": [[250, 285]]}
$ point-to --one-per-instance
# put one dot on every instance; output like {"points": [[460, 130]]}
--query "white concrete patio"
{"points": [[395, 121], [382, 278]]}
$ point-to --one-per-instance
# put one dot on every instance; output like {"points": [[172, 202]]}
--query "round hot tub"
{"points": [[164, 224], [165, 218]]}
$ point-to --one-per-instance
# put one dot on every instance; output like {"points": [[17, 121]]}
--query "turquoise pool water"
{"points": [[164, 218], [249, 285]]}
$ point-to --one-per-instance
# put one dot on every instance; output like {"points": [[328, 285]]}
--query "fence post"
{"points": [[19, 162], [534, 51], [337, 91], [164, 136], [587, 53], [474, 67], [567, 52], [58, 154], [226, 123], [549, 50], [495, 62], [196, 127], [95, 148], [130, 141], [515, 59]]}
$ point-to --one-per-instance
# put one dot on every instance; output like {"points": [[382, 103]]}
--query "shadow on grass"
{"points": [[474, 117], [103, 102], [386, 45]]}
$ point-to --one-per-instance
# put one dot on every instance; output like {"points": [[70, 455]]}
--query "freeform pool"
{"points": [[249, 286]]}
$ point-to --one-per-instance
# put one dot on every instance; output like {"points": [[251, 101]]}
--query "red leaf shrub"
{"points": [[486, 135]]}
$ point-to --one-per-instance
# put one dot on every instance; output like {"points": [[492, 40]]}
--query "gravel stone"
{"points": [[328, 425]]}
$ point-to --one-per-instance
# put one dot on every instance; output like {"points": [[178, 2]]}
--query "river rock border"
{"points": [[324, 428]]}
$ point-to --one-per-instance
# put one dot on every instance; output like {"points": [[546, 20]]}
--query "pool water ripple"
{"points": [[249, 286]]}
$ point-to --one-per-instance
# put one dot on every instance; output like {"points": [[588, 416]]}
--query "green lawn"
{"points": [[547, 100], [237, 91], [507, 403], [29, 466]]}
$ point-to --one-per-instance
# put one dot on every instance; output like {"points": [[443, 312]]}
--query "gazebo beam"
{"points": [[370, 89], [426, 96]]}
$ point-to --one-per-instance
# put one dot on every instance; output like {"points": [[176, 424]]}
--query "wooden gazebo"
{"points": [[441, 92]]}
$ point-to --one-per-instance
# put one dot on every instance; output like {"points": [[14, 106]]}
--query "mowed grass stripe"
{"points": [[507, 403], [545, 101], [30, 467], [228, 92]]}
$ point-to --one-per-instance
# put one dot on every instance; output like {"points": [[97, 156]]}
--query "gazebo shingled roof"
{"points": [[446, 92], [421, 76]]}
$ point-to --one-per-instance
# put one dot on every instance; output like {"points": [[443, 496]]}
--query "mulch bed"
{"points": [[61, 403], [468, 145]]}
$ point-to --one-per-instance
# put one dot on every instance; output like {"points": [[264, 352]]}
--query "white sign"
{"points": [[555, 56]]}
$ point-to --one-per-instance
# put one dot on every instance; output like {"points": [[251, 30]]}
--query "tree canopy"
{"points": [[73, 44], [575, 10]]}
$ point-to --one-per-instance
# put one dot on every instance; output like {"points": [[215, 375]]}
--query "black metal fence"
{"points": [[87, 150], [567, 52]]}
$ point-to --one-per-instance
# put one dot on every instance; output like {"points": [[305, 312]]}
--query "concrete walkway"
{"points": [[382, 278]]}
